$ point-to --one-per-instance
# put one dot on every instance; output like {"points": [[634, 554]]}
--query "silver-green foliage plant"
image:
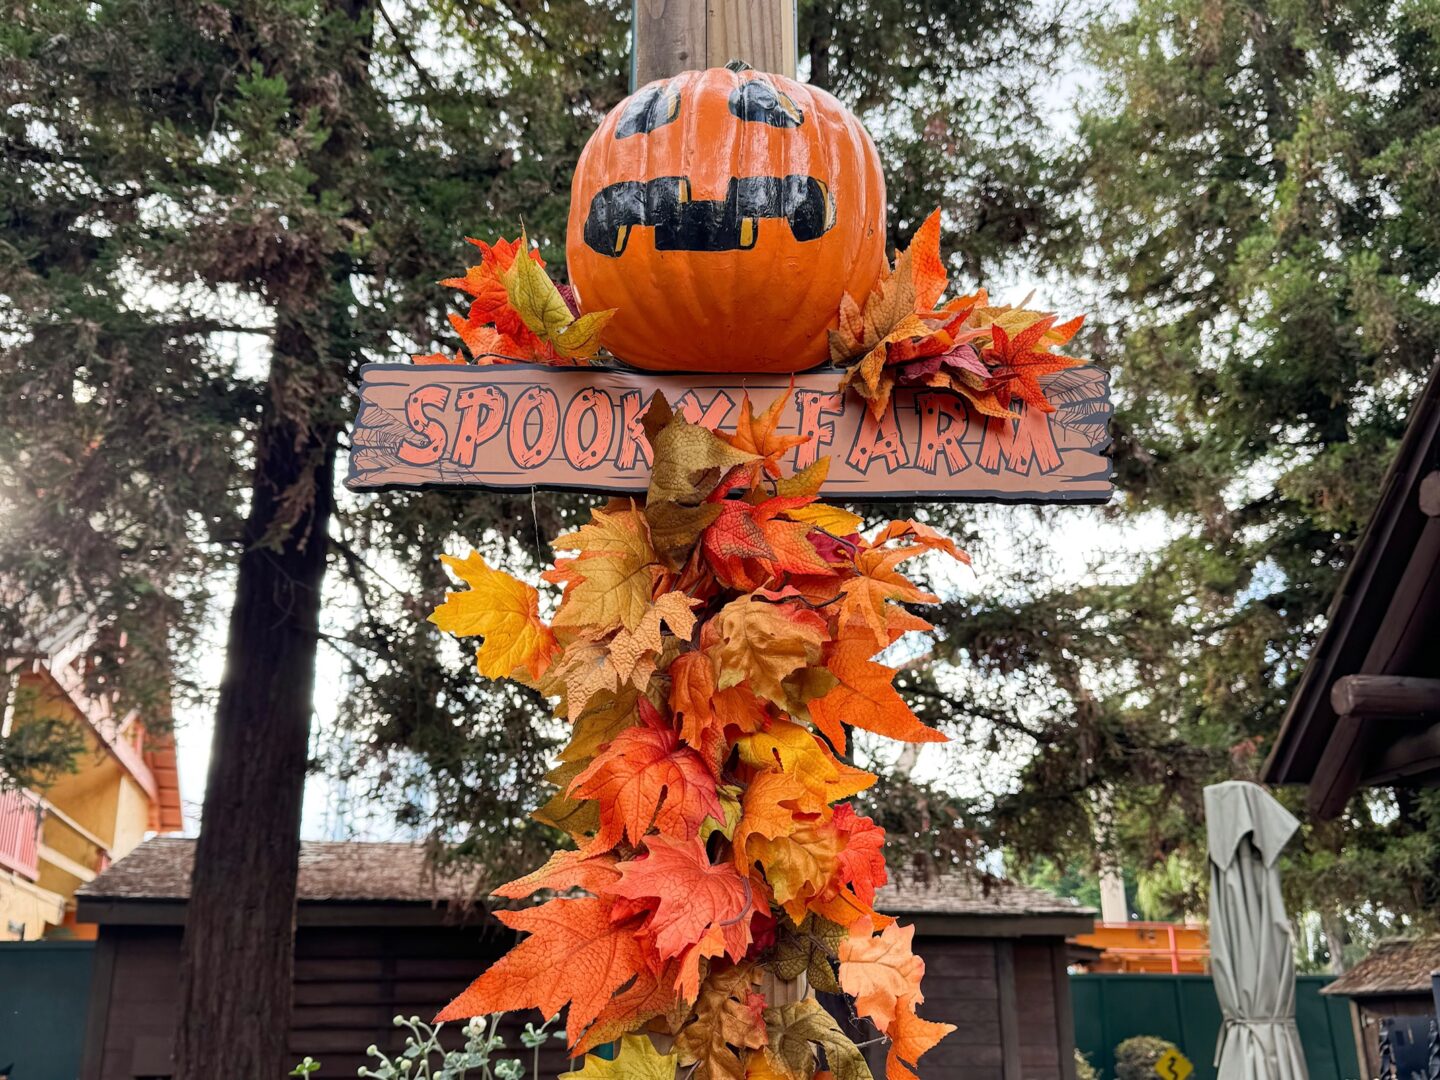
{"points": [[424, 1058]]}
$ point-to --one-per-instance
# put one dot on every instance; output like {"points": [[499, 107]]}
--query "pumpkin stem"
{"points": [[738, 65]]}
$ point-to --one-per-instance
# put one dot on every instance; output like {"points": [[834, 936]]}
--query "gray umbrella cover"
{"points": [[1251, 944]]}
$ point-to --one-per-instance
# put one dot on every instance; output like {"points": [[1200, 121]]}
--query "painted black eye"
{"points": [[652, 108], [759, 102]]}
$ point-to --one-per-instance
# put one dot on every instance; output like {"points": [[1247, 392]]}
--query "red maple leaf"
{"points": [[1017, 362], [576, 955], [697, 910], [644, 778], [862, 859]]}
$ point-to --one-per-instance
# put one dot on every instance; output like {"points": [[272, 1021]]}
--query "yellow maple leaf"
{"points": [[792, 749], [610, 584], [504, 611], [629, 647], [544, 312], [689, 461], [761, 643], [806, 483], [637, 1060], [832, 519], [603, 718]]}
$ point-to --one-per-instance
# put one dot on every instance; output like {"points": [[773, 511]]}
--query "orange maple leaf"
{"points": [[910, 1037], [644, 778], [759, 435], [564, 870], [880, 971], [761, 642], [652, 994], [796, 849], [866, 698], [490, 303], [922, 534], [698, 910], [748, 545], [576, 955], [866, 596], [708, 716]]}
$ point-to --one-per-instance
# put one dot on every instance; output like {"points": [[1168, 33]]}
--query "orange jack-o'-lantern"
{"points": [[724, 214]]}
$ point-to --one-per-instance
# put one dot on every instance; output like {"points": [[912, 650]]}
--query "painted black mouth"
{"points": [[685, 224]]}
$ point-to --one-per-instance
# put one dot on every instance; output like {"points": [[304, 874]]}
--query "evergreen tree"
{"points": [[213, 213], [181, 177], [1251, 195]]}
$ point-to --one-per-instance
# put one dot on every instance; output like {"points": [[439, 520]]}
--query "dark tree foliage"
{"points": [[1252, 197], [212, 214], [951, 95]]}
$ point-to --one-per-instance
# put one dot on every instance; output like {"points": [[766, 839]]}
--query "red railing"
{"points": [[20, 815]]}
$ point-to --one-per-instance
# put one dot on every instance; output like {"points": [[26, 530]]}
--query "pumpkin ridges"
{"points": [[768, 308]]}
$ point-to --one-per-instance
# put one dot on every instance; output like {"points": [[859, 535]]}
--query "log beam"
{"points": [[1337, 773], [1385, 695], [671, 36], [1430, 495], [1414, 755]]}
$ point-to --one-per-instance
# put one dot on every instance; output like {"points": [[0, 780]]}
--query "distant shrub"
{"points": [[1135, 1058], [1083, 1069]]}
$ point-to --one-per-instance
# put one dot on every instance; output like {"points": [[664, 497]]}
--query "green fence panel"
{"points": [[44, 995], [1182, 1009]]}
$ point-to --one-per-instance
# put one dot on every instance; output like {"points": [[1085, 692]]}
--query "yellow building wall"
{"points": [[26, 906], [92, 795], [99, 796], [132, 818]]}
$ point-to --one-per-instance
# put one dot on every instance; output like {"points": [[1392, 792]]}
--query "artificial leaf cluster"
{"points": [[902, 335], [517, 313], [709, 650]]}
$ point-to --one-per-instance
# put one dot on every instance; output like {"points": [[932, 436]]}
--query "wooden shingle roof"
{"points": [[1394, 967], [354, 872]]}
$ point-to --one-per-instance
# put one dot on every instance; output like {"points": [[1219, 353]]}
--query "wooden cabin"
{"points": [[1366, 712], [1392, 1003], [378, 935]]}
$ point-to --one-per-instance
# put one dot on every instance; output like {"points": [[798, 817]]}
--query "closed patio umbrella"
{"points": [[1251, 948]]}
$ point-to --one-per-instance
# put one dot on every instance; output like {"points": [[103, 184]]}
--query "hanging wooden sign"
{"points": [[532, 425]]}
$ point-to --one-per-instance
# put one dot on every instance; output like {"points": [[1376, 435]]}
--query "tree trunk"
{"points": [[236, 977], [1332, 924], [819, 45], [235, 987]]}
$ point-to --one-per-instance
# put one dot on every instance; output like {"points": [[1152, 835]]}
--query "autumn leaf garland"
{"points": [[517, 313], [902, 335], [710, 647]]}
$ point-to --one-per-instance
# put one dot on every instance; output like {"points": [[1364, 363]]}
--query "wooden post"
{"points": [[671, 36]]}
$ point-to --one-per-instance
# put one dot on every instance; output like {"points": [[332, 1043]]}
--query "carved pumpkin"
{"points": [[724, 214]]}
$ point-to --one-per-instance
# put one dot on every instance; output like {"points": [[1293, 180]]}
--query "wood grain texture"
{"points": [[668, 37], [1385, 695], [671, 36], [759, 32], [350, 981], [1009, 1010], [525, 425]]}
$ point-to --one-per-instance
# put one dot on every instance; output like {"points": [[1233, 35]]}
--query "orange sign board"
{"points": [[530, 425]]}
